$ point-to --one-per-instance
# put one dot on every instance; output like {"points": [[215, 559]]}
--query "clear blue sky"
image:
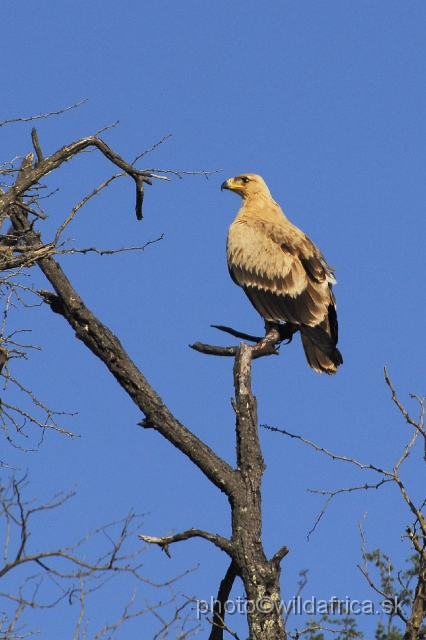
{"points": [[326, 100]]}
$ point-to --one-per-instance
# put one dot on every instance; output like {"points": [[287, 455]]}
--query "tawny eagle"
{"points": [[284, 275]]}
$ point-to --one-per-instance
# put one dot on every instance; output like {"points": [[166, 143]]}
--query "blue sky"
{"points": [[326, 101]]}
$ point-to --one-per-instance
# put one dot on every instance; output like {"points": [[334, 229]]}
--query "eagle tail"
{"points": [[322, 355]]}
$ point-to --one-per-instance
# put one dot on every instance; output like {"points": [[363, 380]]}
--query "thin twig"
{"points": [[154, 146], [108, 252], [42, 116]]}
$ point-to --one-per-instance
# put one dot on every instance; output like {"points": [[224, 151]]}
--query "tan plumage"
{"points": [[284, 275]]}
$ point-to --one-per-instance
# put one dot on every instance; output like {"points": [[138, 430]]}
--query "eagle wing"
{"points": [[281, 271]]}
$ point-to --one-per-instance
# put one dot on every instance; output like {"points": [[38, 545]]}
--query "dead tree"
{"points": [[24, 248]]}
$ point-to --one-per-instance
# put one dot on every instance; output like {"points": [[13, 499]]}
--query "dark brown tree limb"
{"points": [[99, 339], [260, 576], [219, 611], [33, 175]]}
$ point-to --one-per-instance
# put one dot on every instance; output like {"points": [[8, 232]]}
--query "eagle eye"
{"points": [[245, 179]]}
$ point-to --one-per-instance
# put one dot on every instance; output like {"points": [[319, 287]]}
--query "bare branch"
{"points": [[332, 494], [211, 350], [83, 202], [417, 425], [108, 252], [107, 128], [328, 453], [179, 174], [154, 146], [223, 543], [225, 587], [46, 115], [32, 176]]}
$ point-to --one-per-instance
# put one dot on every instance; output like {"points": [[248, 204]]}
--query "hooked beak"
{"points": [[225, 185]]}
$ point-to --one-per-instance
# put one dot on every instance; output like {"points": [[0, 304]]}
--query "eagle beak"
{"points": [[225, 185]]}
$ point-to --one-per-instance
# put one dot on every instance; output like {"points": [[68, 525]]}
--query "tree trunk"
{"points": [[259, 575]]}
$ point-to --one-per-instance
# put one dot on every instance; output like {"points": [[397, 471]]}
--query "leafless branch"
{"points": [[43, 116], [241, 484], [32, 175], [364, 570], [63, 567], [301, 585], [223, 543], [334, 456], [184, 627], [331, 494], [15, 417], [108, 252], [219, 610], [154, 146], [179, 174], [83, 202], [418, 425], [107, 128]]}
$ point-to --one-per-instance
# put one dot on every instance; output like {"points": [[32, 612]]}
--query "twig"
{"points": [[332, 494], [83, 202], [179, 174], [301, 584], [46, 115], [108, 252], [323, 450], [417, 425], [154, 146], [108, 126]]}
